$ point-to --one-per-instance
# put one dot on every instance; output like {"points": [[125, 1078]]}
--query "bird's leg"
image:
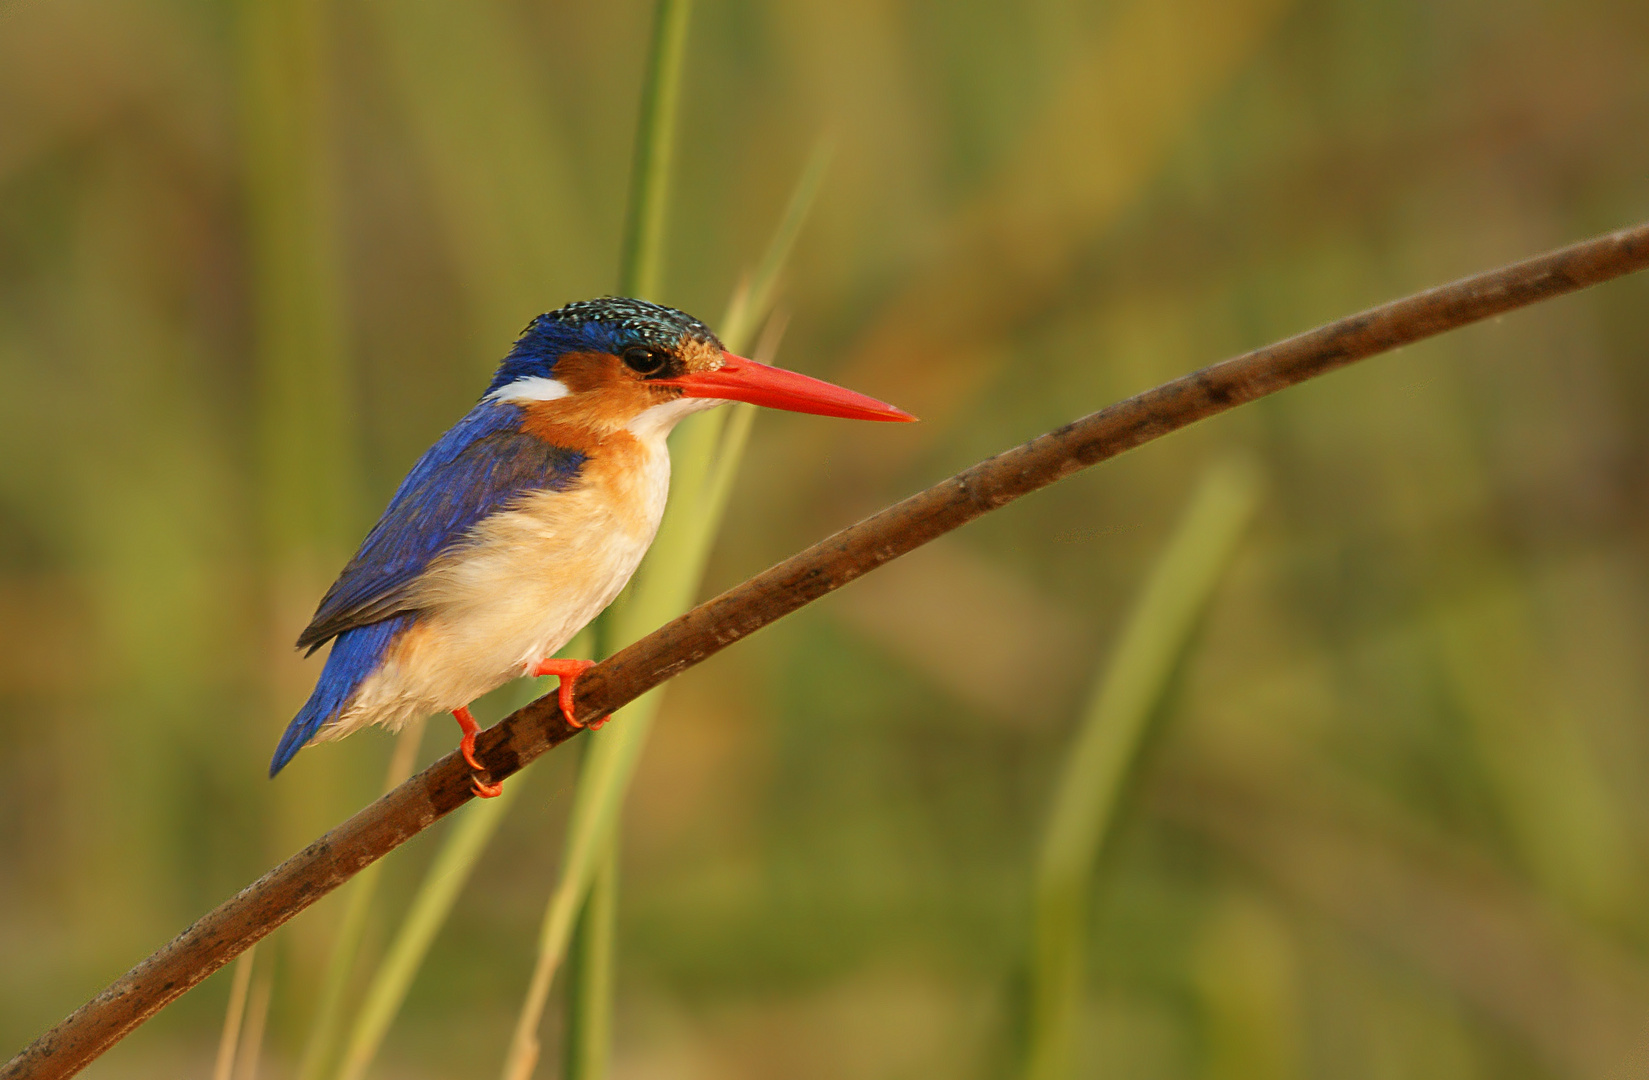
{"points": [[466, 746], [568, 672]]}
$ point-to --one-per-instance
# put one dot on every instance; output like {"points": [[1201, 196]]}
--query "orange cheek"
{"points": [[556, 428], [584, 371]]}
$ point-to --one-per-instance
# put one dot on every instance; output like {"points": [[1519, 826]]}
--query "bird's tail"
{"points": [[355, 654]]}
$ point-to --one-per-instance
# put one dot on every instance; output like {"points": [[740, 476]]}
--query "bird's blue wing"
{"points": [[355, 655], [474, 470]]}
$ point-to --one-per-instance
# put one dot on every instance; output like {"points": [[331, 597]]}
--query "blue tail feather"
{"points": [[355, 655]]}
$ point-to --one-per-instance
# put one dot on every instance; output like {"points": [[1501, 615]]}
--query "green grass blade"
{"points": [[442, 883], [250, 1051], [1113, 728], [641, 263], [705, 452], [590, 975], [446, 878], [232, 1015], [642, 259], [303, 365], [608, 765], [755, 294], [322, 1042]]}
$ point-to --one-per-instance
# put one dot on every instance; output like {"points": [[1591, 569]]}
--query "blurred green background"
{"points": [[1392, 818]]}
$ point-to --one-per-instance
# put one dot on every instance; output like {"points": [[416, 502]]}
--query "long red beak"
{"points": [[739, 379]]}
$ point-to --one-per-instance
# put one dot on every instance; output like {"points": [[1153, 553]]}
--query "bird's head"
{"points": [[619, 363]]}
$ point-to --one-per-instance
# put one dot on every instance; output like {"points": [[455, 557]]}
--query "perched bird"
{"points": [[525, 519]]}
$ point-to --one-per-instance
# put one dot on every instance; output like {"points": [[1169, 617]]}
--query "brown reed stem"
{"points": [[833, 562]]}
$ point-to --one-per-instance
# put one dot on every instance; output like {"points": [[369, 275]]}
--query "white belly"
{"points": [[529, 579]]}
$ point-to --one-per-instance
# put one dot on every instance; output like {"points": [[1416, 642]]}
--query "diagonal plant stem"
{"points": [[1113, 729], [233, 926]]}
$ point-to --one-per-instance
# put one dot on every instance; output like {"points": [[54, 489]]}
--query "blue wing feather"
{"points": [[477, 468], [474, 470], [355, 655]]}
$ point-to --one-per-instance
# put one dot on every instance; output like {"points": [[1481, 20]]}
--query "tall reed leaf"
{"points": [[322, 1042], [591, 958], [224, 1067], [1118, 717], [308, 467], [430, 907], [642, 258], [641, 263], [705, 453]]}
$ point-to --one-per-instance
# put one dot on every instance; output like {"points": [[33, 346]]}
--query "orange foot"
{"points": [[568, 672], [466, 746]]}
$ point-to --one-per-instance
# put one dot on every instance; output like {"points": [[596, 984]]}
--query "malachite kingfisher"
{"points": [[525, 519]]}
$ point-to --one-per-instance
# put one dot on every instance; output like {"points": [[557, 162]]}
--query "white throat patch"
{"points": [[656, 422], [530, 388]]}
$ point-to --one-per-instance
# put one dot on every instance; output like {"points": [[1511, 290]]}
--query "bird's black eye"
{"points": [[639, 358]]}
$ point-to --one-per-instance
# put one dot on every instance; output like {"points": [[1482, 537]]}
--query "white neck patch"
{"points": [[530, 388], [656, 422]]}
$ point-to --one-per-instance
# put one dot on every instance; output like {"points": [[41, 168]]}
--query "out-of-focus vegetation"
{"points": [[1392, 822], [1115, 727]]}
